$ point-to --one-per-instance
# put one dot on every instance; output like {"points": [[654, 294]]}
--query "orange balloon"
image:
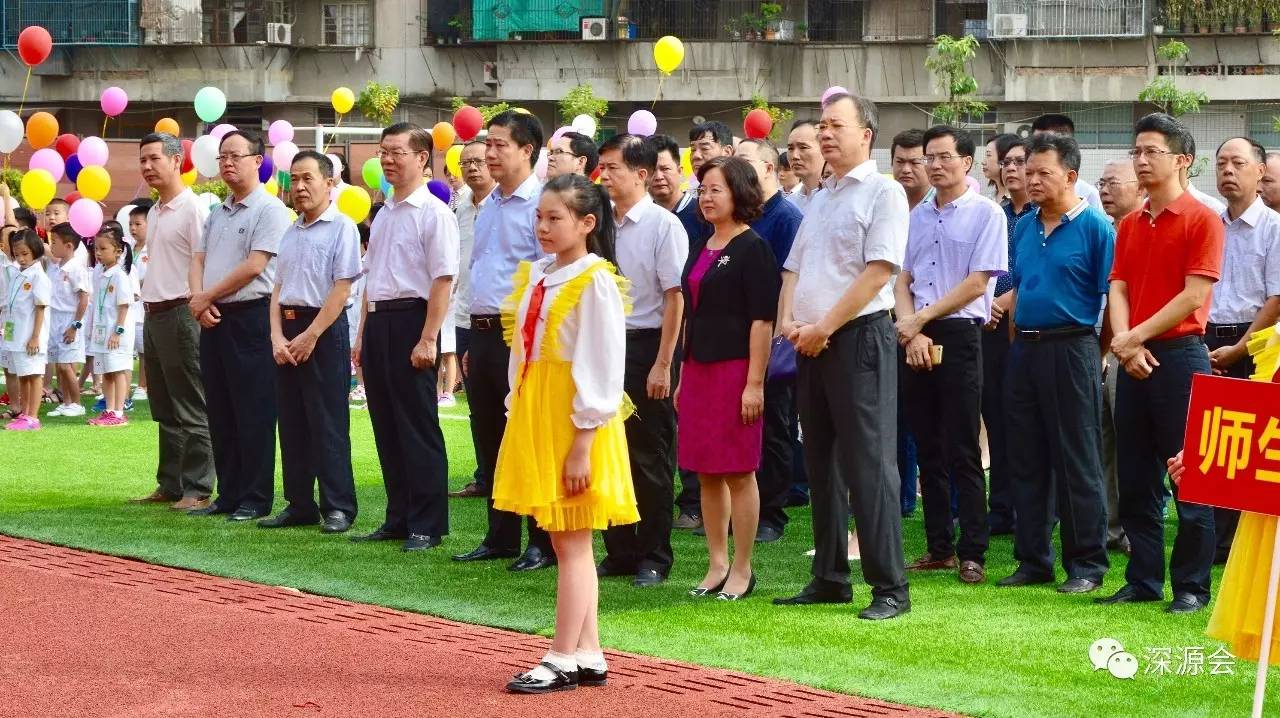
{"points": [[42, 129], [169, 126], [442, 136]]}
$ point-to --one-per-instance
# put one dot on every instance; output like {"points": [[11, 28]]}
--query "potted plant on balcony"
{"points": [[755, 26], [456, 27], [734, 28], [1197, 14], [802, 31], [1251, 15], [769, 13]]}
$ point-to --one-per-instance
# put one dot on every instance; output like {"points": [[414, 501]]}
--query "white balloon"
{"points": [[540, 169], [204, 155], [210, 198], [123, 218], [11, 131], [585, 124], [337, 164]]}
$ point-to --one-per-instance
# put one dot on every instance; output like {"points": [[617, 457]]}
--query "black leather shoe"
{"points": [[883, 608], [609, 570], [818, 592], [592, 677], [563, 681], [210, 510], [335, 522], [1079, 585], [751, 586], [287, 518], [532, 560], [247, 514], [768, 534], [1185, 603], [699, 592], [645, 578], [419, 542], [1024, 578], [382, 533], [1126, 594], [484, 553]]}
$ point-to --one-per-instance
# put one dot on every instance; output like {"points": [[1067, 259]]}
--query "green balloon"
{"points": [[372, 173], [210, 103], [283, 179]]}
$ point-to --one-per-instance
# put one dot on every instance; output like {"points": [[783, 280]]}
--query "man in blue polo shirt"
{"points": [[1053, 398]]}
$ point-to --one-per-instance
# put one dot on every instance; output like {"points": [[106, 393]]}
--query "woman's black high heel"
{"points": [[751, 586], [700, 592]]}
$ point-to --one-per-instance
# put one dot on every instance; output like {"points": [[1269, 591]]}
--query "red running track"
{"points": [[88, 635]]}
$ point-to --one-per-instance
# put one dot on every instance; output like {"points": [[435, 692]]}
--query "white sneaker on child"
{"points": [[69, 410], [140, 394]]}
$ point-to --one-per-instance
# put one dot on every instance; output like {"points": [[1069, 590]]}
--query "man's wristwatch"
{"points": [[119, 331], [77, 325]]}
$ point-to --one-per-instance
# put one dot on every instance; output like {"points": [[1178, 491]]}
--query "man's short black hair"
{"points": [[1259, 152], [582, 146], [907, 140], [964, 141], [254, 139], [1176, 134], [664, 143], [525, 130], [324, 163], [783, 162], [636, 153], [1066, 146], [1054, 123], [718, 130]]}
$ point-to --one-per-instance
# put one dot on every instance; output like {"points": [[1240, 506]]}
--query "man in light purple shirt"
{"points": [[956, 245]]}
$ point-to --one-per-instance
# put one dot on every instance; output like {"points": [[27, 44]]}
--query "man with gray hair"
{"points": [[172, 336]]}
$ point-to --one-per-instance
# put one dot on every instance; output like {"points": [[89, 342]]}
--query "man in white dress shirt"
{"points": [[652, 248], [410, 266]]}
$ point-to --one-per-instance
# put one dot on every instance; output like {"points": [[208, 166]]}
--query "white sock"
{"points": [[559, 660], [591, 659]]}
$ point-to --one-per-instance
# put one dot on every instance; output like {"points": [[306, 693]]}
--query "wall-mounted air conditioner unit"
{"points": [[1009, 25], [279, 33], [595, 28]]}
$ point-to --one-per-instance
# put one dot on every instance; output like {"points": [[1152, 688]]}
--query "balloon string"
{"points": [[104, 126], [654, 104], [24, 91], [336, 125]]}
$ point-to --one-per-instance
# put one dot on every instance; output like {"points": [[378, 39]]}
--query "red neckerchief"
{"points": [[530, 327]]}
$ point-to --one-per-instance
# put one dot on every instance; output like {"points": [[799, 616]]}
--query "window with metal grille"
{"points": [[243, 22], [1008, 19], [346, 24], [1100, 126], [72, 22]]}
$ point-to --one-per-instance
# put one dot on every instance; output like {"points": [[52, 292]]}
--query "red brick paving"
{"points": [[84, 635]]}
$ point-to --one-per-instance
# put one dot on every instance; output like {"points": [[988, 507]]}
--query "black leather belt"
{"points": [[1156, 345], [1045, 335], [486, 322], [1228, 331], [397, 305], [225, 307], [294, 312]]}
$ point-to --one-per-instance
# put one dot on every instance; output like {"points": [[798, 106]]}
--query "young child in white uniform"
{"points": [[25, 325], [69, 277], [112, 340]]}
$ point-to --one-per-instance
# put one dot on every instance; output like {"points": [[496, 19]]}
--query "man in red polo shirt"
{"points": [[1168, 255]]}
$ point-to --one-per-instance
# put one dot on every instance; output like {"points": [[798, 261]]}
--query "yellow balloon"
{"points": [[273, 187], [94, 183], [293, 216], [38, 188], [686, 162], [189, 178], [342, 99], [668, 53], [355, 203], [521, 111], [453, 160]]}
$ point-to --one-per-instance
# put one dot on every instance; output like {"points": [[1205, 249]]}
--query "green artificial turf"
{"points": [[981, 651]]}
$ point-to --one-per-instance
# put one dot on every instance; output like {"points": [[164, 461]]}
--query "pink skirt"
{"points": [[711, 438]]}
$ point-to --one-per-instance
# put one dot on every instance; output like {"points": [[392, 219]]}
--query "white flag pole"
{"points": [[1268, 626]]}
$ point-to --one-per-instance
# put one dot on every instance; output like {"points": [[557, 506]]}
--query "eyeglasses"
{"points": [[1013, 162], [1109, 184], [942, 159], [397, 154], [1151, 152], [232, 157], [913, 162], [710, 192], [561, 153], [476, 162]]}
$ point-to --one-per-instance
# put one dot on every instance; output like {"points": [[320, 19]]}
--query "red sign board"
{"points": [[1232, 447]]}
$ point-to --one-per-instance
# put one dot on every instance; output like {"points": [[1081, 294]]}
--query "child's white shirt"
{"points": [[25, 290], [113, 289], [69, 279]]}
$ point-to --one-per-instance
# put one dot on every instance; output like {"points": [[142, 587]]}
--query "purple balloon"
{"points": [[642, 123], [441, 190], [73, 167], [266, 169], [836, 89]]}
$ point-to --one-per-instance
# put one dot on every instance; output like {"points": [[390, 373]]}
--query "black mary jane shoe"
{"points": [[592, 677], [700, 592], [526, 683], [751, 586]]}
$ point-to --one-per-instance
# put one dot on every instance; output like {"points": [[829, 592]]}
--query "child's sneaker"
{"points": [[23, 423], [357, 395], [139, 394], [100, 405], [128, 404], [111, 418], [446, 401], [71, 410], [58, 410], [97, 420]]}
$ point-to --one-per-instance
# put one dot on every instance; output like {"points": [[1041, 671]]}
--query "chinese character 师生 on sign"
{"points": [[1232, 445]]}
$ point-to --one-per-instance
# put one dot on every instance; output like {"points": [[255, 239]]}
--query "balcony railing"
{"points": [[73, 22], [1175, 17], [1009, 19]]}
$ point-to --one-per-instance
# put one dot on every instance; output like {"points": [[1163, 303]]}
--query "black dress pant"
{"points": [[1053, 403], [1226, 520], [487, 361], [406, 426], [315, 420], [777, 462], [943, 408], [651, 445], [1151, 419], [483, 481], [240, 393], [995, 357], [848, 397]]}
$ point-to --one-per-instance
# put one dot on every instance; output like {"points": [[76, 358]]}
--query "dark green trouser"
{"points": [[171, 344]]}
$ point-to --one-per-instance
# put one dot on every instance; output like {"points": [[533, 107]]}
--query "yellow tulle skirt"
{"points": [[1242, 597], [529, 479]]}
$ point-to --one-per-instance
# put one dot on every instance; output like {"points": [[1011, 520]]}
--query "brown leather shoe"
{"points": [[191, 503], [927, 562], [471, 490], [155, 497], [687, 521], [972, 572]]}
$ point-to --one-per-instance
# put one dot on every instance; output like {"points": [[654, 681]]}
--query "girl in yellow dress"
{"points": [[563, 459]]}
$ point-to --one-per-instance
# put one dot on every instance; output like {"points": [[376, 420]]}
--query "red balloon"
{"points": [[66, 145], [71, 198], [34, 45], [757, 124], [467, 122], [187, 162]]}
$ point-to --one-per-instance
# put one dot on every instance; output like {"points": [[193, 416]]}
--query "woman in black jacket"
{"points": [[731, 293]]}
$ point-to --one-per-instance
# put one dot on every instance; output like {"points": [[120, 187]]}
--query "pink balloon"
{"points": [[114, 100], [221, 131], [280, 131], [560, 133], [282, 154], [540, 167], [85, 217], [49, 160], [833, 90], [642, 123], [973, 184], [92, 151]]}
